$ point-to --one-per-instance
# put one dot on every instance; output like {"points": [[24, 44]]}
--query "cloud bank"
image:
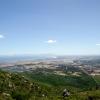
{"points": [[98, 44], [51, 41], [1, 36]]}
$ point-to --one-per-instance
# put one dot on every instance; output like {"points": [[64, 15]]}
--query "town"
{"points": [[57, 65]]}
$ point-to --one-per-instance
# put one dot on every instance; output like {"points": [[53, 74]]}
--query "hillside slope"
{"points": [[14, 86]]}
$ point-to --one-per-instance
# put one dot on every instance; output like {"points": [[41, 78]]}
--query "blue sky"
{"points": [[50, 27]]}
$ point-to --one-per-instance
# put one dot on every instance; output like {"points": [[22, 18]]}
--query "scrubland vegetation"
{"points": [[40, 86]]}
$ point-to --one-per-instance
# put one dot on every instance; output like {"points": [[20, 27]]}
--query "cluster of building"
{"points": [[54, 64]]}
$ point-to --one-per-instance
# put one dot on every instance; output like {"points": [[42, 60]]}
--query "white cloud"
{"points": [[1, 36], [98, 44], [51, 41]]}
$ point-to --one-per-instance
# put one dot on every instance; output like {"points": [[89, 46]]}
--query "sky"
{"points": [[63, 27]]}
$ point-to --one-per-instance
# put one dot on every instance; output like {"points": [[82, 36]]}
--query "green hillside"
{"points": [[15, 86], [82, 82]]}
